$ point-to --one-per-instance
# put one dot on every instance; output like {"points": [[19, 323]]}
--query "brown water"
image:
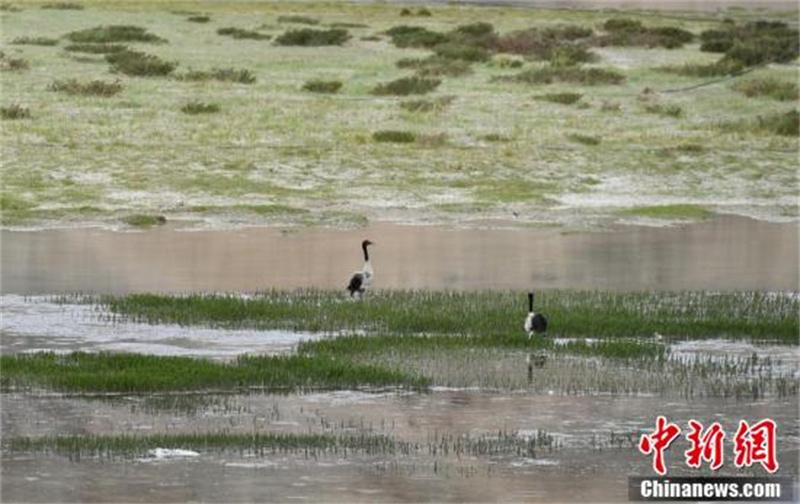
{"points": [[727, 253]]}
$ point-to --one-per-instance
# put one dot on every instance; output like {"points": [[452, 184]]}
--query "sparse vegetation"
{"points": [[114, 33], [392, 136], [310, 37], [770, 87], [197, 107], [199, 19], [407, 86], [15, 111], [86, 88], [13, 64], [139, 64], [242, 34], [322, 86], [436, 66], [664, 109]]}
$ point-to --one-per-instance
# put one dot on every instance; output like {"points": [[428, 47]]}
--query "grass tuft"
{"points": [[96, 48], [392, 136], [431, 105], [199, 19], [407, 86], [671, 212], [322, 86], [242, 34], [197, 107], [666, 110], [298, 20], [139, 64], [562, 98], [114, 33], [144, 221], [770, 87], [63, 6], [309, 37], [86, 88], [584, 139], [15, 111], [568, 75], [239, 76]]}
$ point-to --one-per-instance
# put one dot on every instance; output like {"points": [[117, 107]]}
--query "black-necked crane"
{"points": [[362, 279], [535, 323]]}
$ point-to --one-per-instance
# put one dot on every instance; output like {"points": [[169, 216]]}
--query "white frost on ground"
{"points": [[38, 324]]}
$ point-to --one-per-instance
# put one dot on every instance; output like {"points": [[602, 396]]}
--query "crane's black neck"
{"points": [[530, 302], [366, 252]]}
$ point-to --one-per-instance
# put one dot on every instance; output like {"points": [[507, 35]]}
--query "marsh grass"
{"points": [[242, 34], [394, 136], [355, 441], [96, 48], [322, 86], [239, 76], [114, 33], [107, 372], [310, 37], [39, 41], [15, 111], [571, 313], [671, 212], [86, 88], [770, 87], [144, 220], [407, 86], [198, 107], [568, 75], [139, 64]]}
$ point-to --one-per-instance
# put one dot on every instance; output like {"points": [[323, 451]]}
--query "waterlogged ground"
{"points": [[536, 441]]}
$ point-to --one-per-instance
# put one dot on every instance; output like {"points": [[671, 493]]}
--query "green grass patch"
{"points": [[63, 6], [144, 220], [274, 209], [114, 33], [571, 313], [198, 107], [585, 139], [310, 37], [407, 86], [671, 212], [322, 86], [628, 32], [109, 372], [199, 19], [86, 88], [436, 66], [770, 87], [664, 109], [779, 123]]}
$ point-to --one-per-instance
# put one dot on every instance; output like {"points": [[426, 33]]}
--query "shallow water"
{"points": [[581, 426], [726, 253]]}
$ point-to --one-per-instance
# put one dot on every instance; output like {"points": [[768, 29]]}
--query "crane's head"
{"points": [[366, 243]]}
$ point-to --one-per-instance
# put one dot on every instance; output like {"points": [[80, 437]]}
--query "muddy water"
{"points": [[581, 426], [727, 253]]}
